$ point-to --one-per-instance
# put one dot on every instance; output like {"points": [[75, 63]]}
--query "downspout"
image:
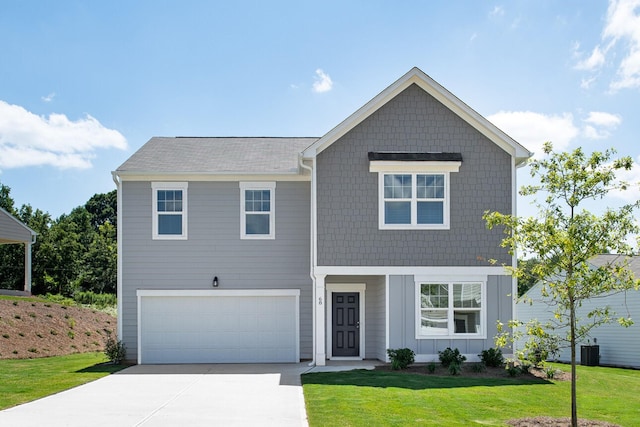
{"points": [[118, 182], [312, 256]]}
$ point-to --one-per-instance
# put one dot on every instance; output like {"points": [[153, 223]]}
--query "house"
{"points": [[618, 346], [13, 231], [339, 247]]}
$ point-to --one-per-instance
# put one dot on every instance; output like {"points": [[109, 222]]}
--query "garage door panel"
{"points": [[218, 329]]}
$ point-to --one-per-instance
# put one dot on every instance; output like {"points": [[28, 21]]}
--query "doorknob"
{"points": [[358, 325]]}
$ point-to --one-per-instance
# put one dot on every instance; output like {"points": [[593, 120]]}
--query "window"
{"points": [[257, 220], [169, 210], [414, 200], [413, 194], [450, 309]]}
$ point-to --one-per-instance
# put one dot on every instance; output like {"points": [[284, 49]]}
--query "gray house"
{"points": [[340, 247], [617, 346], [13, 231]]}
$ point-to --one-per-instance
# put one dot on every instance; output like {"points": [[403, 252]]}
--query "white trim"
{"points": [[387, 319], [199, 293], [271, 186], [218, 292], [382, 225], [320, 355], [345, 287], [119, 261], [401, 166], [449, 281], [410, 270], [191, 176], [182, 186]]}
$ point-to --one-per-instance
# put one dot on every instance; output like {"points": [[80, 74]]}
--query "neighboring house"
{"points": [[13, 231], [619, 346], [340, 247]]}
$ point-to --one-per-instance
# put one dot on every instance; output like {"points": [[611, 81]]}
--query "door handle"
{"points": [[358, 325]]}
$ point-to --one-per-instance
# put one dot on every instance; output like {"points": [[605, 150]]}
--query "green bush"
{"points": [[492, 357], [98, 300], [115, 350], [455, 368], [401, 358], [478, 367], [449, 356], [431, 368]]}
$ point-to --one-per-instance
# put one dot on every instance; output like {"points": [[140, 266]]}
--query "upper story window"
{"points": [[413, 189], [257, 210], [169, 217], [450, 308]]}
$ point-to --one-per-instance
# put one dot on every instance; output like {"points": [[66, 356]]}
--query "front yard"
{"points": [[372, 398]]}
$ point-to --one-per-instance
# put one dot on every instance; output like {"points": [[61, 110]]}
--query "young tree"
{"points": [[565, 237]]}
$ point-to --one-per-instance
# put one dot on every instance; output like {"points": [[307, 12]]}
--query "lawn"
{"points": [[24, 380], [368, 398]]}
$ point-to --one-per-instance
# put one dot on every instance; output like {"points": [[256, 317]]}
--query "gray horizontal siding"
{"points": [[402, 317], [13, 231], [214, 248], [347, 196]]}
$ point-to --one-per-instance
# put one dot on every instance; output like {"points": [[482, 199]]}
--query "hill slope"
{"points": [[31, 328]]}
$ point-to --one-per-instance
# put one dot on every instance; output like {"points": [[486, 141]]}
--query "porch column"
{"points": [[320, 310], [27, 267]]}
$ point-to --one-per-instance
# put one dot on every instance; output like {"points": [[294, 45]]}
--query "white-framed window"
{"points": [[257, 210], [169, 216], [450, 308], [413, 195]]}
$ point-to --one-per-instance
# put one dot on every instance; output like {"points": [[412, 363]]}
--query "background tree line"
{"points": [[75, 252]]}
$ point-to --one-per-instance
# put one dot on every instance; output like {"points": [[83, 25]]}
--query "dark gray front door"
{"points": [[346, 324]]}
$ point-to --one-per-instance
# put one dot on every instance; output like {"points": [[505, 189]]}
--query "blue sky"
{"points": [[83, 84]]}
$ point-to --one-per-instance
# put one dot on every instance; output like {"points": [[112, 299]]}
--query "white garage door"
{"points": [[218, 326]]}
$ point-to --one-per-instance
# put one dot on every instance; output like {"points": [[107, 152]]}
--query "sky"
{"points": [[84, 84]]}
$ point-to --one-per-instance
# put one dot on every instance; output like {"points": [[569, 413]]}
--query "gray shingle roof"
{"points": [[223, 155]]}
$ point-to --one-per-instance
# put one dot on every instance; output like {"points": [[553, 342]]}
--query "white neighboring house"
{"points": [[619, 346]]}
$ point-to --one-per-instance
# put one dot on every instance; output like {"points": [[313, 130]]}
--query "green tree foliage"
{"points": [[77, 251], [564, 237]]}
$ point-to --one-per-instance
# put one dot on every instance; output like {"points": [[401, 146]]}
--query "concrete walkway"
{"points": [[175, 395]]}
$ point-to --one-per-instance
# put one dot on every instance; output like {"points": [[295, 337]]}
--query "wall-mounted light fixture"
{"points": [[215, 282]]}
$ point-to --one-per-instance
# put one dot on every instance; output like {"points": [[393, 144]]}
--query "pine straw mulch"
{"points": [[32, 329], [467, 371]]}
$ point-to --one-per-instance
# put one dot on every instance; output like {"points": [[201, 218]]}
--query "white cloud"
{"points": [[323, 82], [593, 62], [631, 177], [49, 97], [27, 139], [497, 11], [620, 39], [601, 118], [534, 129]]}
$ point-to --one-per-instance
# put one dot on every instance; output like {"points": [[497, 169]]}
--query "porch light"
{"points": [[215, 282]]}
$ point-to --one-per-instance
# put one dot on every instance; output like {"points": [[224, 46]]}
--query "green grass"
{"points": [[368, 398], [24, 380]]}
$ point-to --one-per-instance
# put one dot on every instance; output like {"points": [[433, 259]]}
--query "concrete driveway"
{"points": [[179, 395]]}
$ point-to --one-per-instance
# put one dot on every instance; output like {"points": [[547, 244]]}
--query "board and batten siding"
{"points": [[214, 248], [347, 193], [402, 318], [619, 346]]}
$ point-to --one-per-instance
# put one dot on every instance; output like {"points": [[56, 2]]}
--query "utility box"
{"points": [[590, 355]]}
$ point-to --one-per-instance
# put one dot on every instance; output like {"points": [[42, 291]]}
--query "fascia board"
{"points": [[163, 176]]}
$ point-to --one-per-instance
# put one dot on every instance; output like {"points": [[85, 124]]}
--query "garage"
{"points": [[218, 326]]}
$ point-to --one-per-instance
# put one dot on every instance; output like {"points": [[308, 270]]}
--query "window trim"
{"points": [[271, 186], [414, 168], [155, 186], [450, 281]]}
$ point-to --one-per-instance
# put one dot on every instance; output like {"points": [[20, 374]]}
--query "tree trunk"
{"points": [[574, 400]]}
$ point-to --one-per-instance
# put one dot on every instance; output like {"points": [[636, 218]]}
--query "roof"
{"points": [[433, 88], [633, 261], [216, 155], [14, 231]]}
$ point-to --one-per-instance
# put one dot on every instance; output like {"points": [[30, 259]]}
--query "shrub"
{"points": [[478, 367], [455, 368], [492, 357], [115, 350], [513, 370], [449, 356], [98, 300], [431, 368], [59, 299], [551, 372], [401, 358]]}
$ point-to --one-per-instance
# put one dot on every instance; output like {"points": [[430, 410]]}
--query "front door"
{"points": [[346, 324]]}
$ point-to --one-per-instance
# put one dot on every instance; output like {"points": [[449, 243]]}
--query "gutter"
{"points": [[311, 257]]}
